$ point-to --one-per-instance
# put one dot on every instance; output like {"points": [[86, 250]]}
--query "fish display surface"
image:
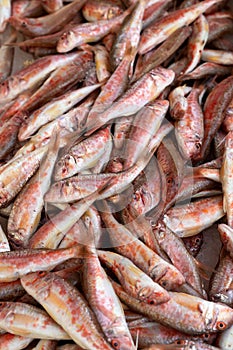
{"points": [[116, 174]]}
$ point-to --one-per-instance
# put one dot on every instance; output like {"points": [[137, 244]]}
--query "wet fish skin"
{"points": [[221, 280], [7, 54], [51, 6], [158, 31], [36, 323], [52, 110], [61, 79], [158, 55], [207, 68], [67, 307], [82, 155], [137, 96], [47, 24], [182, 312], [190, 128], [226, 178], [127, 39], [189, 219], [15, 264], [144, 126], [217, 56], [134, 281], [15, 174], [214, 107], [26, 211], [89, 32], [31, 76], [147, 260], [5, 12], [197, 42], [101, 10], [172, 244], [26, 8], [10, 341], [104, 302], [52, 232]]}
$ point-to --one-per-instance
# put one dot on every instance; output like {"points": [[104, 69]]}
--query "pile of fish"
{"points": [[116, 155]]}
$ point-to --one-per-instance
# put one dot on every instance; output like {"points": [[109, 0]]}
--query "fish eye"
{"points": [[151, 302], [180, 342], [115, 344], [221, 325], [206, 336], [41, 273]]}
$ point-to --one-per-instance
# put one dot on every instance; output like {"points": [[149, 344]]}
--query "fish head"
{"points": [[123, 342], [224, 317], [190, 148], [65, 167], [38, 282], [153, 297], [171, 278], [225, 297]]}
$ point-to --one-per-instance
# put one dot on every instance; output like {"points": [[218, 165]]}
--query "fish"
{"points": [[204, 69], [197, 42], [52, 110], [104, 301], [99, 236], [160, 54], [46, 345], [5, 12], [145, 124], [182, 312], [52, 232], [128, 37], [217, 56], [214, 107], [4, 243], [63, 77], [189, 129], [219, 23], [89, 32], [189, 219], [135, 281], [101, 10], [66, 305], [51, 6], [159, 31], [15, 264], [176, 251], [221, 280], [10, 341], [15, 174], [114, 88], [226, 178], [147, 88], [126, 244], [226, 235], [102, 63], [81, 185], [30, 76], [150, 333], [7, 54], [83, 155], [26, 211], [29, 321], [26, 8], [47, 24], [178, 103]]}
